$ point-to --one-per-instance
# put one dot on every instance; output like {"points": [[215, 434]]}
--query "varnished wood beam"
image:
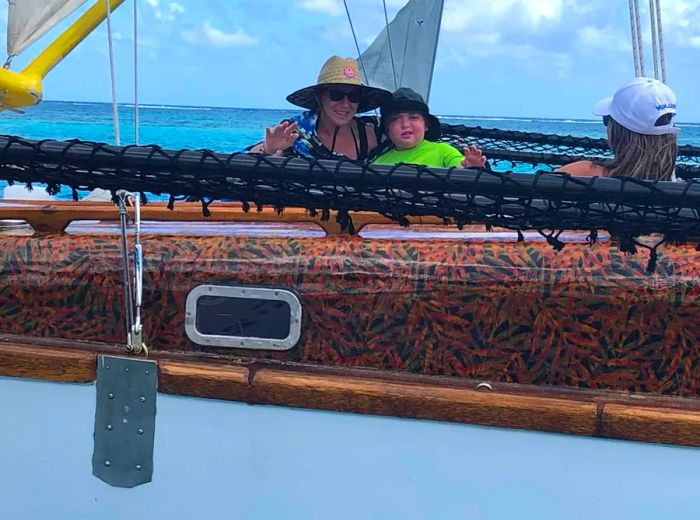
{"points": [[594, 413], [69, 366], [55, 216], [654, 419], [660, 425]]}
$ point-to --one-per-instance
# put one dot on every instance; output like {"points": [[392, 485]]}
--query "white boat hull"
{"points": [[217, 459]]}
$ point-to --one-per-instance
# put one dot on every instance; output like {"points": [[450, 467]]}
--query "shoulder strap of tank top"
{"points": [[362, 136]]}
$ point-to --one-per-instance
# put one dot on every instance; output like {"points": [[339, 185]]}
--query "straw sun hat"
{"points": [[339, 71]]}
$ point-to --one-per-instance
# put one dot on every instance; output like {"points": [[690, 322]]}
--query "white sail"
{"points": [[29, 20], [411, 40]]}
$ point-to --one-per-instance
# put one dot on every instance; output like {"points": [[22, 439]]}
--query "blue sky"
{"points": [[517, 58]]}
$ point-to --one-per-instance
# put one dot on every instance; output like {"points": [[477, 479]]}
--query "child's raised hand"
{"points": [[473, 158], [280, 137]]}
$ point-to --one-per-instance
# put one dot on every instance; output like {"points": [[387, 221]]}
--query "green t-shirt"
{"points": [[427, 153]]}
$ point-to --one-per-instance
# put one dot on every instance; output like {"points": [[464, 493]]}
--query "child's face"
{"points": [[406, 129]]}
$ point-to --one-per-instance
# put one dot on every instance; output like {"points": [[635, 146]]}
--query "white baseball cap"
{"points": [[639, 104]]}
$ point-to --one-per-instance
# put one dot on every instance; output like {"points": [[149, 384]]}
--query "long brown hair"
{"points": [[651, 157]]}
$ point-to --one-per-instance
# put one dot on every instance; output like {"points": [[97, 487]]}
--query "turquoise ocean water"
{"points": [[230, 129]]}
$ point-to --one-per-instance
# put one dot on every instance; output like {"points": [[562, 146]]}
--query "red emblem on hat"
{"points": [[349, 72]]}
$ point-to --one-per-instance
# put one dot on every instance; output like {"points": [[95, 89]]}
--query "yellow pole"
{"points": [[66, 42], [22, 89]]}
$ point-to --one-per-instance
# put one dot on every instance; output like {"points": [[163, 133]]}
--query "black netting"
{"points": [[543, 201], [508, 149]]}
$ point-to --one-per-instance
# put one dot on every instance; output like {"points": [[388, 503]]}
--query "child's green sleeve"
{"points": [[452, 156]]}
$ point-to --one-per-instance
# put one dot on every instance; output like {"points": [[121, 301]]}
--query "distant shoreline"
{"points": [[164, 106]]}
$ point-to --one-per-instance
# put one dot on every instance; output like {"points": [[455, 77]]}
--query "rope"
{"points": [[354, 37], [661, 41], [391, 52], [654, 46], [633, 31], [115, 112], [640, 48], [657, 39], [136, 76]]}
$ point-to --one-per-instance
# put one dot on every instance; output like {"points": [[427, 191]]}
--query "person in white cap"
{"points": [[641, 133]]}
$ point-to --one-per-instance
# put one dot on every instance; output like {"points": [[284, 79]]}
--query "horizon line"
{"points": [[293, 109]]}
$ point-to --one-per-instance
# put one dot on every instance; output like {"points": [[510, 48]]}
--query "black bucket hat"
{"points": [[408, 100]]}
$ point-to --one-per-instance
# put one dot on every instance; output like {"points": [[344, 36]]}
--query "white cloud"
{"points": [[331, 7], [147, 41], [206, 34], [514, 29], [554, 32], [166, 14], [676, 12], [339, 32], [681, 21], [543, 9], [595, 38], [461, 14], [479, 45], [176, 8]]}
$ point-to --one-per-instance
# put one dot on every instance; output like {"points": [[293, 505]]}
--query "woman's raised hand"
{"points": [[473, 157], [280, 137]]}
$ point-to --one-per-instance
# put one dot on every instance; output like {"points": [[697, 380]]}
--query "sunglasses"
{"points": [[606, 120], [354, 96]]}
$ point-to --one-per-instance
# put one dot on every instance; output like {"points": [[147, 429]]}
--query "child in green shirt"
{"points": [[413, 130]]}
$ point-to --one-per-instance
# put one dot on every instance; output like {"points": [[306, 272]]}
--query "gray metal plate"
{"points": [[125, 419]]}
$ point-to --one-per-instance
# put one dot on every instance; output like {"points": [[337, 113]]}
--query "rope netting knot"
{"points": [[542, 201]]}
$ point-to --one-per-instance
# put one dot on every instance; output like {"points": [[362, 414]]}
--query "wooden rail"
{"points": [[55, 216], [615, 415]]}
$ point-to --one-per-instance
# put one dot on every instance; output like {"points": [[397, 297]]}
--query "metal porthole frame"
{"points": [[249, 292]]}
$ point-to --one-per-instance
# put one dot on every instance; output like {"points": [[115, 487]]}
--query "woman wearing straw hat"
{"points": [[329, 128], [641, 133]]}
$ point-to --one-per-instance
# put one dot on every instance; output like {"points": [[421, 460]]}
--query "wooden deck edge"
{"points": [[47, 217], [581, 412], [51, 364], [651, 425], [55, 216]]}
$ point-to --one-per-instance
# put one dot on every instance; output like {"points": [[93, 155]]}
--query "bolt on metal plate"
{"points": [[125, 420]]}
